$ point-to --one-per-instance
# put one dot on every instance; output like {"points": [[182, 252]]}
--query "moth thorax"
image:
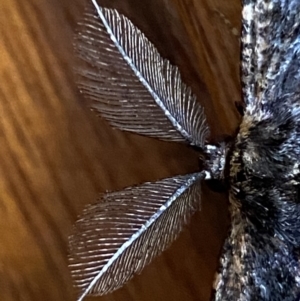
{"points": [[214, 161]]}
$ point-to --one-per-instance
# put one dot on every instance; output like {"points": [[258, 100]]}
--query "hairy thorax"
{"points": [[261, 255], [264, 173]]}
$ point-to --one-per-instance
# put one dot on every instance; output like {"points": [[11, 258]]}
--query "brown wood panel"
{"points": [[56, 156]]}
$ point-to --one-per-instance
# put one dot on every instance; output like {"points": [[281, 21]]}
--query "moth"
{"points": [[136, 90]]}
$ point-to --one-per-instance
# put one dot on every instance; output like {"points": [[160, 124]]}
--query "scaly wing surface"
{"points": [[270, 52]]}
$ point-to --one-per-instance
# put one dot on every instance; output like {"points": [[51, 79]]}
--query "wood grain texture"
{"points": [[56, 156]]}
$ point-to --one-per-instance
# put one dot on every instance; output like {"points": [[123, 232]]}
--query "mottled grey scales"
{"points": [[261, 255], [270, 46], [130, 84], [137, 90]]}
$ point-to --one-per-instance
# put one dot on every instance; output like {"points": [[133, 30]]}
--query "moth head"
{"points": [[213, 160]]}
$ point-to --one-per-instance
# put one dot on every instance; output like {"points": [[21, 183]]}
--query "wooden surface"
{"points": [[56, 156]]}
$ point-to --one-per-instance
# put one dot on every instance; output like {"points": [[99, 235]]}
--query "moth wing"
{"points": [[270, 52], [125, 230], [130, 84]]}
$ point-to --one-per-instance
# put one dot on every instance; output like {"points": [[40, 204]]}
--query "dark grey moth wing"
{"points": [[125, 230], [261, 259], [130, 84], [270, 51]]}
